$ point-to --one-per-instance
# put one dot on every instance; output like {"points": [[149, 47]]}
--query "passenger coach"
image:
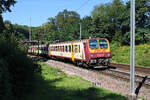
{"points": [[88, 52]]}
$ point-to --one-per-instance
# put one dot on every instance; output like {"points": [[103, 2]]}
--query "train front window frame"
{"points": [[103, 44], [93, 44]]}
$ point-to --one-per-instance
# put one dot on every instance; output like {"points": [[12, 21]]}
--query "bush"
{"points": [[16, 69], [121, 54], [5, 85]]}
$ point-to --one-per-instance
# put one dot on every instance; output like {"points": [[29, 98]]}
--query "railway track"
{"points": [[138, 69], [123, 75], [120, 71]]}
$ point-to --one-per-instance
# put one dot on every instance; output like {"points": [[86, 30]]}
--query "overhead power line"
{"points": [[82, 5]]}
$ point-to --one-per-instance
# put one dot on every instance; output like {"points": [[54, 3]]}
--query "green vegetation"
{"points": [[107, 20], [110, 20], [16, 69], [55, 85], [121, 54], [5, 6]]}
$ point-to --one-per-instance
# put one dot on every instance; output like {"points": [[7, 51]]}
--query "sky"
{"points": [[41, 10]]}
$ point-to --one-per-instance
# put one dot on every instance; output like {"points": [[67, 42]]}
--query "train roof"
{"points": [[84, 40]]}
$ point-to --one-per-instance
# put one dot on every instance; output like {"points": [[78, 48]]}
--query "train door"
{"points": [[49, 51], [72, 45]]}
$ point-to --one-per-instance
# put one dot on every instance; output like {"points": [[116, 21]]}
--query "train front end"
{"points": [[99, 51]]}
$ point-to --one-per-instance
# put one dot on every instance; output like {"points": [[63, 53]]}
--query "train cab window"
{"points": [[93, 44], [103, 44]]}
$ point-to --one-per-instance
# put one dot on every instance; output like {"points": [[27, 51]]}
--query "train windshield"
{"points": [[93, 44], [103, 44]]}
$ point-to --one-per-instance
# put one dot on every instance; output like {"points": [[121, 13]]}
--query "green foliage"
{"points": [[17, 70], [114, 19], [56, 85], [1, 24], [5, 84], [110, 21], [5, 5], [121, 54]]}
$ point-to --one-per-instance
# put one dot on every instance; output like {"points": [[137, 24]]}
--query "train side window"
{"points": [[52, 48], [72, 48], [66, 49], [58, 48], [69, 48], [55, 48], [76, 48], [84, 45], [79, 48]]}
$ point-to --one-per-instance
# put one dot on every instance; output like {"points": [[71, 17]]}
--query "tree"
{"points": [[1, 23], [5, 6], [88, 27], [108, 20], [67, 23]]}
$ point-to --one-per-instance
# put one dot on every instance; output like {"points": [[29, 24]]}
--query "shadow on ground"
{"points": [[46, 90]]}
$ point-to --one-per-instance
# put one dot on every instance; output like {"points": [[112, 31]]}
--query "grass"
{"points": [[121, 54], [53, 84]]}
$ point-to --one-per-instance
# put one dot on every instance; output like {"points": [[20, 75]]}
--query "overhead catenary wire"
{"points": [[82, 5]]}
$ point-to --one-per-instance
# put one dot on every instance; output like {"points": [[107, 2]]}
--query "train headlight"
{"points": [[108, 54], [92, 55]]}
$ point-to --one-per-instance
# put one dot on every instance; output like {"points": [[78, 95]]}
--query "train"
{"points": [[87, 52]]}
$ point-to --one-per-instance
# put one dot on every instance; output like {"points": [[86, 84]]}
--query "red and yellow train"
{"points": [[87, 52]]}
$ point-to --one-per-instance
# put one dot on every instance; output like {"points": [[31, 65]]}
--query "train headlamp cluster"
{"points": [[93, 55]]}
